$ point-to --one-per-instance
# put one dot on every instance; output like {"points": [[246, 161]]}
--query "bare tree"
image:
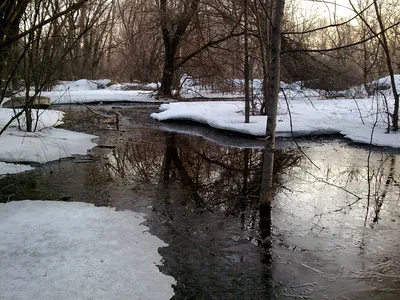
{"points": [[38, 49], [175, 19], [272, 102]]}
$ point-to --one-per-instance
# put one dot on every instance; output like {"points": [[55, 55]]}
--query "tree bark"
{"points": [[10, 18], [264, 32], [246, 65], [266, 193], [395, 117], [173, 31]]}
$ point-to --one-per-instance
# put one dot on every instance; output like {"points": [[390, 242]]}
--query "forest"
{"points": [[212, 41]]}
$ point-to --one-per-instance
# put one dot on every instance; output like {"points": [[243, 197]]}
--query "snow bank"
{"points": [[87, 96], [47, 118], [6, 168], [354, 119], [221, 115], [191, 88], [86, 91], [45, 145], [78, 85], [60, 250]]}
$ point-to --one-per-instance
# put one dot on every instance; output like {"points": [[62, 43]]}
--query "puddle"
{"points": [[334, 234]]}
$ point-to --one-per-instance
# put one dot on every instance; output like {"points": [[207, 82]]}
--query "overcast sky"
{"points": [[327, 7]]}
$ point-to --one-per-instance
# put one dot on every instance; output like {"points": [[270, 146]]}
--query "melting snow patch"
{"points": [[60, 250], [6, 168], [47, 144], [356, 119]]}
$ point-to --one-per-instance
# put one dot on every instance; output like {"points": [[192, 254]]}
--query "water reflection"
{"points": [[201, 198], [352, 185], [346, 213], [214, 177], [320, 209]]}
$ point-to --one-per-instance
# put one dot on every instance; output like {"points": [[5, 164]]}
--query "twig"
{"points": [[116, 116], [312, 269]]}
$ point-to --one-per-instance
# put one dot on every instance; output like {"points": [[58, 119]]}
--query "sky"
{"points": [[326, 8]]}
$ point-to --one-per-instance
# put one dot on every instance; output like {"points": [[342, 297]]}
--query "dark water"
{"points": [[335, 221]]}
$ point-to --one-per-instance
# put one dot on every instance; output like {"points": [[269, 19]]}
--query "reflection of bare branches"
{"points": [[369, 164], [173, 156], [318, 179], [381, 198], [353, 174], [116, 116], [217, 177], [140, 161]]}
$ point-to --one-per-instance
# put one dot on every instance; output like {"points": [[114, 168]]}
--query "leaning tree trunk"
{"points": [[272, 109]]}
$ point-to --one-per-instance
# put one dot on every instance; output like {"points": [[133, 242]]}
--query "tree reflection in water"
{"points": [[209, 177], [209, 183], [209, 193]]}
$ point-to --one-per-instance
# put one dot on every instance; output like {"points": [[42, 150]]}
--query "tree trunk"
{"points": [[173, 31], [168, 72], [395, 117], [264, 32], [246, 66], [28, 110], [272, 108], [10, 19]]}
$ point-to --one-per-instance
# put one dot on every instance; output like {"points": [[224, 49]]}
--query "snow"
{"points": [[46, 144], [338, 116], [102, 95], [60, 250], [47, 118], [86, 91], [386, 82], [79, 85], [6, 168]]}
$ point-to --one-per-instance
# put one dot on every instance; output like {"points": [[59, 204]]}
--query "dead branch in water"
{"points": [[116, 115]]}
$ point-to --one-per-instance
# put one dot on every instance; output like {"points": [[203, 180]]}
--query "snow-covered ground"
{"points": [[10, 168], [86, 91], [46, 144], [73, 97], [354, 118], [68, 250]]}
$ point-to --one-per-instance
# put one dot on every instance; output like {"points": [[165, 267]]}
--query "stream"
{"points": [[335, 231]]}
